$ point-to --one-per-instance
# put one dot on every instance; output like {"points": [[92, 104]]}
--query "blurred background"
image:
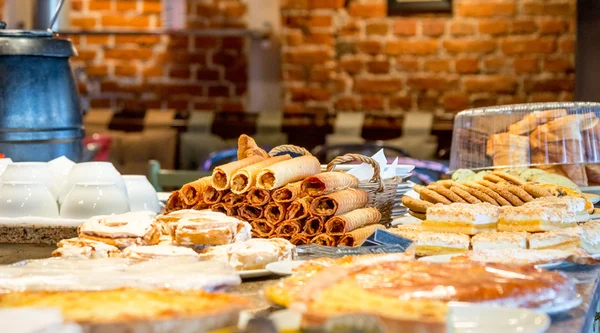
{"points": [[177, 81]]}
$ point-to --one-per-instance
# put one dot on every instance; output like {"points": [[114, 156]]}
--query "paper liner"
{"points": [[324, 239], [221, 176], [353, 220], [174, 202], [258, 197], [338, 203], [300, 239], [314, 225], [244, 179], [288, 228], [288, 193], [191, 193], [247, 147], [224, 208], [283, 173], [275, 212], [212, 196], [358, 236], [250, 212], [327, 182], [299, 209], [262, 228]]}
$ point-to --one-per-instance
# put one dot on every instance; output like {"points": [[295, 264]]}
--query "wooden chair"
{"points": [[162, 178]]}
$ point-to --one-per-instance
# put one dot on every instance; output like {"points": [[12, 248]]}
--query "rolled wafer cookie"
{"points": [[323, 239], [224, 208], [262, 228], [536, 191], [283, 173], [497, 197], [258, 196], [288, 193], [355, 219], [314, 225], [338, 203], [248, 147], [221, 175], [358, 236], [328, 182], [446, 193], [503, 191], [518, 191], [299, 209], [245, 178], [431, 196], [212, 196], [300, 239], [275, 212], [478, 194], [288, 228], [465, 195], [251, 212], [420, 216], [510, 178], [191, 193], [416, 205], [174, 202]]}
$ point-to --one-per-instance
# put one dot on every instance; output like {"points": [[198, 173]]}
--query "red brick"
{"points": [[218, 91], [377, 85], [109, 86], [178, 41], [130, 54], [293, 37], [236, 43], [204, 42], [407, 64], [182, 57], [467, 65], [550, 84], [436, 65], [427, 103], [206, 10], [83, 22], [233, 10], [319, 38], [208, 105], [493, 64], [123, 6], [135, 39], [95, 40], [367, 10], [100, 103], [492, 83], [542, 97], [403, 102], [511, 99], [351, 64], [470, 45], [300, 94], [96, 71], [566, 97], [178, 104], [552, 9], [484, 101], [125, 70], [371, 102], [233, 107], [518, 45], [85, 55], [320, 74], [567, 45], [558, 65], [427, 83], [180, 73], [98, 5], [352, 28], [76, 5], [456, 101], [493, 27], [152, 72], [553, 27], [404, 27], [125, 21], [82, 87], [486, 9], [377, 28], [308, 21], [378, 66], [372, 47], [293, 108], [433, 27], [526, 65], [325, 4], [416, 47], [523, 27], [151, 7], [346, 103], [307, 57], [461, 28]]}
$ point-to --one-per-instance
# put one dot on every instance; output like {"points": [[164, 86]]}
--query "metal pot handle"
{"points": [[56, 12]]}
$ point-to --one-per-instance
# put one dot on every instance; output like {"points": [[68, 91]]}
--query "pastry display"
{"points": [[535, 218], [191, 193], [563, 239], [123, 230], [165, 220], [436, 243], [526, 256], [338, 203], [467, 219], [327, 182], [491, 240], [245, 178], [210, 230], [285, 172], [85, 248], [136, 310], [222, 175], [252, 254]]}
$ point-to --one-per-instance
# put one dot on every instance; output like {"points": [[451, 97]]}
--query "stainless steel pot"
{"points": [[40, 113]]}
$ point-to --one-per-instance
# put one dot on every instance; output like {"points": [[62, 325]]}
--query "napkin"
{"points": [[365, 171]]}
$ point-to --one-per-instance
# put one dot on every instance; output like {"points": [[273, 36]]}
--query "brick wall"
{"points": [[487, 52], [180, 71]]}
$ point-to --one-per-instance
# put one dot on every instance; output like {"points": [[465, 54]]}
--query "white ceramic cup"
{"points": [[60, 168], [94, 198], [34, 172], [142, 195], [92, 172], [3, 163], [19, 199]]}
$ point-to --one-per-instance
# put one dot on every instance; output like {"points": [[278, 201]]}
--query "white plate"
{"points": [[592, 197], [254, 273], [463, 318], [284, 267], [443, 258], [163, 196], [562, 307], [401, 169]]}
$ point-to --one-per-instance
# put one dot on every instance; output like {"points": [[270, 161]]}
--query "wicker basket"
{"points": [[382, 193], [288, 149]]}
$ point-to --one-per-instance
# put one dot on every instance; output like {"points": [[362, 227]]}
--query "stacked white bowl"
{"points": [[62, 188]]}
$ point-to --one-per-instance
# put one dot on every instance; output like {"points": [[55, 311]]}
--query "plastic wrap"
{"points": [[112, 273], [561, 137]]}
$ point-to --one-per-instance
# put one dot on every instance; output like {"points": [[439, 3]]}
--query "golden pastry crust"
{"points": [[85, 248], [252, 254], [416, 205], [121, 230], [536, 191], [210, 230], [420, 216]]}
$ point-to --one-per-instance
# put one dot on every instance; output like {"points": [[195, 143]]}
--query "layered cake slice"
{"points": [[563, 239], [491, 240], [461, 218]]}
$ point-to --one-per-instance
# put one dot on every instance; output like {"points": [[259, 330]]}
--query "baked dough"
{"points": [[136, 228], [157, 251], [210, 230], [252, 254], [85, 248]]}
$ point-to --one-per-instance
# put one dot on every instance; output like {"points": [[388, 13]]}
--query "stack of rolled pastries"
{"points": [[284, 197]]}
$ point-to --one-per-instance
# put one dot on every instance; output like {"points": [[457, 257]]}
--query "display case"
{"points": [[561, 138]]}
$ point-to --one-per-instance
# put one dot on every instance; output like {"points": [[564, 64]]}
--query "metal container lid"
{"points": [[33, 43]]}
